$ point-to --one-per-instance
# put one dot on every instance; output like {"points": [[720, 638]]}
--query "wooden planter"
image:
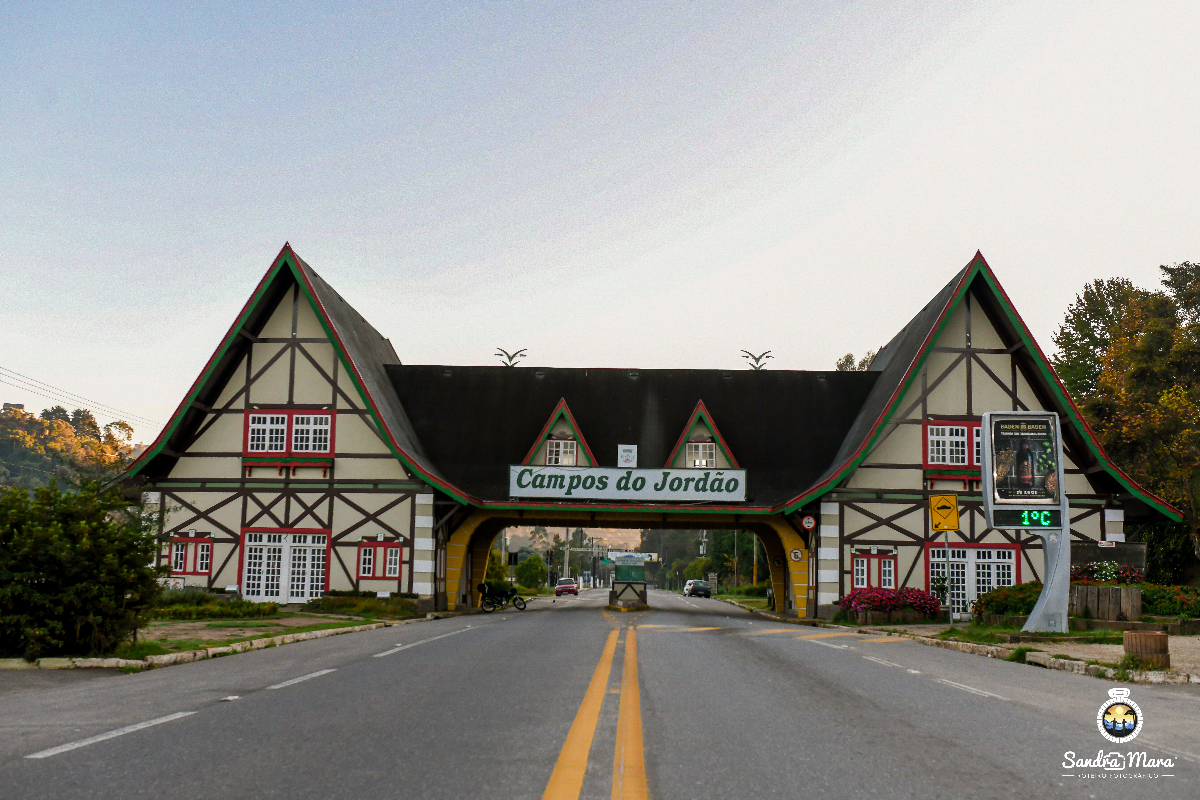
{"points": [[904, 615], [1105, 602], [1151, 646]]}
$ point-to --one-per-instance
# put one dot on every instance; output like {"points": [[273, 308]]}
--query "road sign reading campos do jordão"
{"points": [[606, 483]]}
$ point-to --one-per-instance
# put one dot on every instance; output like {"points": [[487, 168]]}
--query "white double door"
{"points": [[284, 567], [974, 571]]}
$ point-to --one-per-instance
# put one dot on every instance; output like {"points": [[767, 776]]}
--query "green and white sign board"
{"points": [[629, 485]]}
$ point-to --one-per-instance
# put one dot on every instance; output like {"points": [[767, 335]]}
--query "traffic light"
{"points": [[512, 559]]}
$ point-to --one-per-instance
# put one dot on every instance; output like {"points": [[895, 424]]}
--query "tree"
{"points": [[35, 451], [531, 572], [1134, 358], [85, 424], [75, 571], [847, 363], [497, 570], [698, 569], [1087, 333]]}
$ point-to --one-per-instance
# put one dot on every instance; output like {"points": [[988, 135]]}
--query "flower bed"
{"points": [[889, 600], [1106, 572]]}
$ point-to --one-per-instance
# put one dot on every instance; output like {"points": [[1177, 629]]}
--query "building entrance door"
{"points": [[974, 571], [284, 567]]}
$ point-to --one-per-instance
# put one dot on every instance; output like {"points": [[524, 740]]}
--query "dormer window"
{"points": [[701, 455], [560, 452]]}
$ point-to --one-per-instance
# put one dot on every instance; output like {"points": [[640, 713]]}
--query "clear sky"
{"points": [[653, 184]]}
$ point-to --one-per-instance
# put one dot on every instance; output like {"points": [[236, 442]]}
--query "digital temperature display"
{"points": [[1027, 518]]}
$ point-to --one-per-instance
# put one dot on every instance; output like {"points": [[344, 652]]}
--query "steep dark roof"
{"points": [[797, 433], [783, 427]]}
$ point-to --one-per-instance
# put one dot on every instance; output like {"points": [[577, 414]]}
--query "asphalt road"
{"points": [[693, 699]]}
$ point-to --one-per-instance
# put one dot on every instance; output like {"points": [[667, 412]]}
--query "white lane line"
{"points": [[883, 661], [826, 644], [317, 674], [971, 689], [400, 647], [100, 737]]}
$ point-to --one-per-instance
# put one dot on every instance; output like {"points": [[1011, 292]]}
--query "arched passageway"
{"points": [[788, 552]]}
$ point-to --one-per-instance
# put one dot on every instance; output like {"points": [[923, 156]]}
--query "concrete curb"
{"points": [[188, 656]]}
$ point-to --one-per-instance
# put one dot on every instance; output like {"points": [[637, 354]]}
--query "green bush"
{"points": [[755, 590], [1170, 601], [531, 571], [75, 571], [1010, 600], [235, 609]]}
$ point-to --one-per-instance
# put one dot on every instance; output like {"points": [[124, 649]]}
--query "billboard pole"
{"points": [[1024, 489]]}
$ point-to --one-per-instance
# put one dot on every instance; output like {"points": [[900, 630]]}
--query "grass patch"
{"points": [[244, 624], [369, 607], [156, 647], [1018, 655], [1063, 655], [136, 651]]}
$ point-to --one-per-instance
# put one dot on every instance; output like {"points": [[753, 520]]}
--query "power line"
{"points": [[58, 398], [69, 397]]}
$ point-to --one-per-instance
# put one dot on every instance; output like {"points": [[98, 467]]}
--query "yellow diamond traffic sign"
{"points": [[943, 512]]}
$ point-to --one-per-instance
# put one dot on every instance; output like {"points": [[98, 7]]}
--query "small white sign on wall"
{"points": [[627, 455]]}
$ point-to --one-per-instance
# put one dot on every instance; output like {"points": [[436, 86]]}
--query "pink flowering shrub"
{"points": [[1105, 572], [889, 600]]}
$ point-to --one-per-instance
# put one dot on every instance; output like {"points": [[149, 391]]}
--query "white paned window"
{"points": [[316, 572], [947, 444], [366, 565], [268, 433], [179, 557], [978, 446], [393, 562], [310, 433], [560, 452], [272, 571], [860, 573], [203, 557], [701, 455], [298, 585], [887, 573], [253, 576]]}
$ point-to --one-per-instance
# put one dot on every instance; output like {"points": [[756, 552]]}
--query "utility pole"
{"points": [[755, 575], [567, 552], [735, 561]]}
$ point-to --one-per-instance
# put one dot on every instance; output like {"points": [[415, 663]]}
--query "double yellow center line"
{"points": [[629, 762]]}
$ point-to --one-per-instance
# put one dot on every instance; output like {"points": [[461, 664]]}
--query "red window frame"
{"points": [[1017, 551], [378, 561], [326, 532], [287, 452], [191, 557], [876, 569], [972, 466]]}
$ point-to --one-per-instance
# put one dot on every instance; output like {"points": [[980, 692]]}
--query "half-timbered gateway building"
{"points": [[307, 457]]}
